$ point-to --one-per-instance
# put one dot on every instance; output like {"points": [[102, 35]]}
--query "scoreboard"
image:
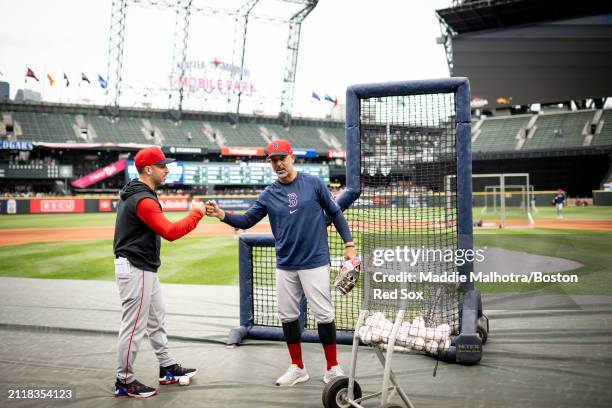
{"points": [[196, 174]]}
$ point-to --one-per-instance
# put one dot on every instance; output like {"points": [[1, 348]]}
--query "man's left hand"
{"points": [[349, 252]]}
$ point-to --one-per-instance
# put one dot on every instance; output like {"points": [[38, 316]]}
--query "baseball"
{"points": [[419, 343], [442, 332], [410, 342], [402, 339], [386, 326], [429, 333], [184, 380], [447, 344], [432, 347], [376, 335], [365, 335]]}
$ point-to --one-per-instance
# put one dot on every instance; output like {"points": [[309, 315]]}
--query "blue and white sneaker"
{"points": [[171, 374], [135, 389]]}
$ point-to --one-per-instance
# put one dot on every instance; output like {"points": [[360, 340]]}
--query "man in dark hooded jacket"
{"points": [[139, 225]]}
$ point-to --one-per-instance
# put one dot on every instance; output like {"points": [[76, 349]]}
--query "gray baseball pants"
{"points": [[142, 310], [314, 283]]}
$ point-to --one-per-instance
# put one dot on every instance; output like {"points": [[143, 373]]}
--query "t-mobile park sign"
{"points": [[209, 85]]}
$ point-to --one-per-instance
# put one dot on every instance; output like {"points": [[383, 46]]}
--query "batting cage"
{"points": [[412, 228]]}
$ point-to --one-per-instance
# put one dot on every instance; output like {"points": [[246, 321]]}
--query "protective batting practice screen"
{"points": [[404, 141]]}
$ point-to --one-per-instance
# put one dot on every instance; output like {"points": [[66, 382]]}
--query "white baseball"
{"points": [[413, 331], [421, 332], [184, 380], [439, 334], [419, 343], [442, 332], [410, 342], [418, 322], [429, 333], [432, 347], [363, 331], [376, 335], [386, 325], [402, 339]]}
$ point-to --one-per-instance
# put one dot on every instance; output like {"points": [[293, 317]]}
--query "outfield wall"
{"points": [[98, 204], [84, 204], [602, 197]]}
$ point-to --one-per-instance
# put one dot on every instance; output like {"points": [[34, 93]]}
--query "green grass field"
{"points": [[75, 220], [206, 261], [202, 260], [549, 213], [214, 260], [108, 219]]}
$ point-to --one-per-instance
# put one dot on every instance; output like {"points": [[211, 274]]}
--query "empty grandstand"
{"points": [[45, 123]]}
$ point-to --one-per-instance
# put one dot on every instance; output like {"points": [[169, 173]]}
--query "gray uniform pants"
{"points": [[142, 310], [314, 283]]}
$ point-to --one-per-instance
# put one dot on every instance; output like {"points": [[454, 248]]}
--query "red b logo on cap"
{"points": [[279, 147]]}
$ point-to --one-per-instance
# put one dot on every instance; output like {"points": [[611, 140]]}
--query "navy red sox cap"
{"points": [[279, 147], [150, 156]]}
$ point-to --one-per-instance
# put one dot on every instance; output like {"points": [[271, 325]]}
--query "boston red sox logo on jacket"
{"points": [[293, 201]]}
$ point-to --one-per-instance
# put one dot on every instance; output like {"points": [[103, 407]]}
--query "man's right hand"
{"points": [[198, 206], [213, 210]]}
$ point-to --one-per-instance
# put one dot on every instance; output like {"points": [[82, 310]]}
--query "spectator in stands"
{"points": [[559, 201]]}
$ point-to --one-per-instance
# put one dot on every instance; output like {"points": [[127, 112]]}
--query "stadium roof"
{"points": [[477, 15]]}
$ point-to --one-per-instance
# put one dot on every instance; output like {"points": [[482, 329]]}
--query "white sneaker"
{"points": [[332, 373], [292, 376]]}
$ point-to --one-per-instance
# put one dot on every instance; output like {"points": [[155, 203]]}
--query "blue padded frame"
{"points": [[247, 328], [461, 88], [467, 346]]}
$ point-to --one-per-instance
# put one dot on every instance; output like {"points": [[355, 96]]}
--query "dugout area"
{"points": [[62, 333]]}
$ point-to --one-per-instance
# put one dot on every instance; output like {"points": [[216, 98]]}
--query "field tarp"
{"points": [[543, 351]]}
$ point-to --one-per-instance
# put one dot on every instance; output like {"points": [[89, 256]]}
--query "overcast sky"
{"points": [[343, 42]]}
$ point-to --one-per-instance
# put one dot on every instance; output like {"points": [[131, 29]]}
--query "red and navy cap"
{"points": [[150, 156], [279, 147]]}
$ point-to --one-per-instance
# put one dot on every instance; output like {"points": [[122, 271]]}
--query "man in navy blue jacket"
{"points": [[296, 205]]}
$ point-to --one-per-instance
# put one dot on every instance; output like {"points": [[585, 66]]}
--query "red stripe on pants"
{"points": [[127, 359]]}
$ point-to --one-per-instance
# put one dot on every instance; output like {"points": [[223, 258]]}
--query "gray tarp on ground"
{"points": [[60, 333]]}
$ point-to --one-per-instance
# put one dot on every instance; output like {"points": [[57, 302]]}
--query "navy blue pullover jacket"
{"points": [[297, 215]]}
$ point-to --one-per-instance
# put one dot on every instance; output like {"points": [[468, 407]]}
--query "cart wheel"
{"points": [[334, 393], [483, 328]]}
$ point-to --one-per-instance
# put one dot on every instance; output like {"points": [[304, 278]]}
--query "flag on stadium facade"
{"points": [[31, 74], [317, 97], [51, 80], [332, 100], [103, 83], [84, 78]]}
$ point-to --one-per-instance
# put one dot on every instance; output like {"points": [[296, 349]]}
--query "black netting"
{"points": [[265, 308], [408, 200]]}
